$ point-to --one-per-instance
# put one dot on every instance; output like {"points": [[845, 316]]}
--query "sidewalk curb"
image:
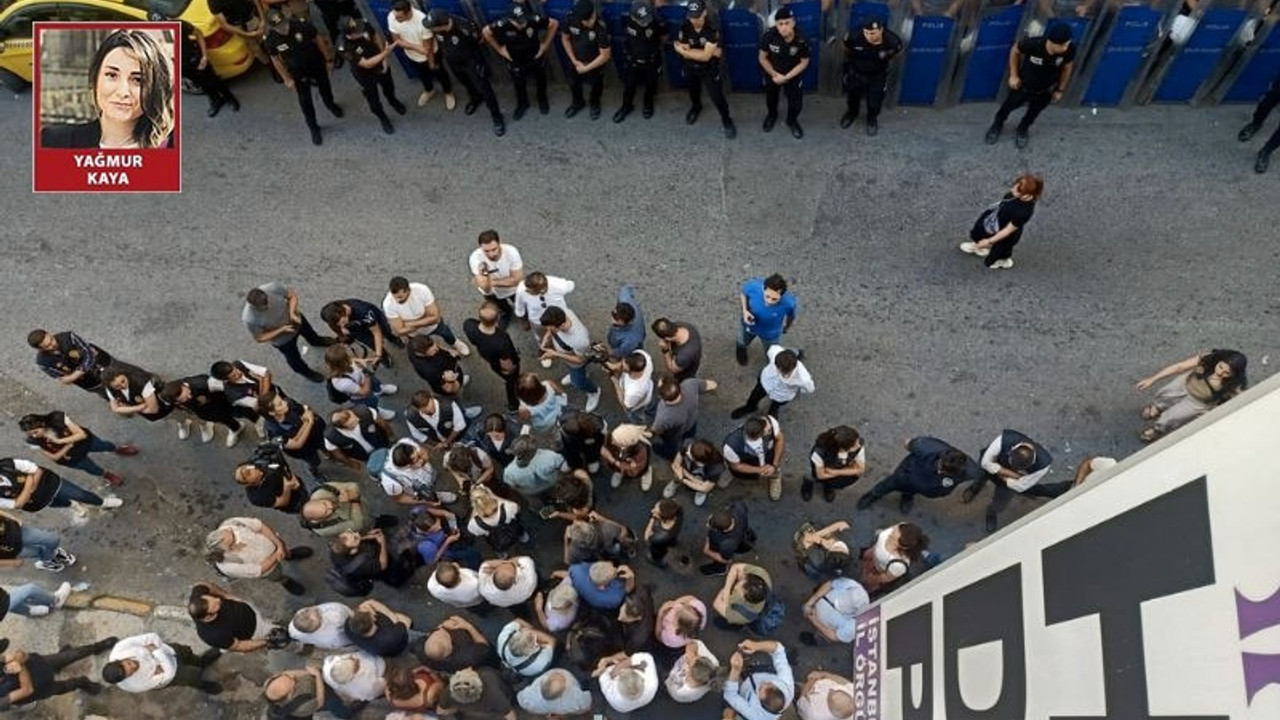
{"points": [[124, 605]]}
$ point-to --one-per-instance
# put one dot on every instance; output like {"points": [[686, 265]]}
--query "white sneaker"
{"points": [[593, 401], [669, 491], [234, 437], [61, 594], [50, 566], [699, 498], [38, 610], [565, 381], [615, 480], [471, 412], [111, 502], [1002, 264], [462, 349], [646, 480], [968, 246], [206, 432], [450, 102], [386, 414], [303, 348], [184, 429], [545, 362], [425, 97], [593, 468], [466, 380], [387, 389]]}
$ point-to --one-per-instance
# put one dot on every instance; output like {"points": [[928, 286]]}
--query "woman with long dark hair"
{"points": [[1202, 383], [132, 81], [1000, 226], [838, 459]]}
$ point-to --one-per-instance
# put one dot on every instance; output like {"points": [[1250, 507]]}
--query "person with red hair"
{"points": [[1000, 226]]}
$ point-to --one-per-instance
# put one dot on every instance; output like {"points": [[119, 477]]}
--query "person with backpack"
{"points": [[351, 380], [357, 561], [895, 550], [745, 597], [407, 475], [833, 611], [496, 519]]}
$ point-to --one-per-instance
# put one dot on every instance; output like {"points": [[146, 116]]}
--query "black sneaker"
{"points": [[873, 127], [828, 493], [769, 121], [398, 107], [316, 139], [1020, 138], [215, 108], [293, 587], [991, 523], [336, 110], [1262, 163], [499, 127], [235, 104], [387, 127], [470, 108], [906, 503], [544, 107], [622, 114], [730, 130], [302, 552], [740, 354], [806, 491], [713, 569], [519, 112], [594, 112], [808, 638], [866, 500], [573, 110], [740, 412], [797, 132], [968, 495], [210, 688], [647, 112], [1247, 132], [691, 117], [993, 134], [847, 119]]}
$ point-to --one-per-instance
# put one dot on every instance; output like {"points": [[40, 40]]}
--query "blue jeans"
{"points": [[644, 415], [88, 465], [69, 491], [370, 400], [38, 544], [745, 336], [444, 332], [23, 597], [579, 378]]}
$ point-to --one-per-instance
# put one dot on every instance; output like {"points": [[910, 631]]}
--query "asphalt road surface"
{"points": [[1154, 240]]}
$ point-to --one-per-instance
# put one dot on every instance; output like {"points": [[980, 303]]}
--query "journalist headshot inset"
{"points": [[132, 82]]}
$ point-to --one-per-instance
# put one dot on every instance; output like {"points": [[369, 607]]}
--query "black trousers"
{"points": [[369, 86], [332, 10], [1002, 495], [1035, 102], [858, 87], [1260, 113], [190, 672], [475, 78], [520, 74], [318, 76], [214, 87], [579, 454], [899, 481], [427, 75], [795, 98], [595, 79], [44, 668], [218, 410], [715, 90], [292, 355], [641, 74], [757, 394]]}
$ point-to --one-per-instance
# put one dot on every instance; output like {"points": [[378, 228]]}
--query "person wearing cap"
{"points": [[586, 43], [523, 39], [195, 63], [784, 55], [368, 54], [460, 41], [867, 54], [1039, 69], [408, 31], [302, 57], [644, 58], [244, 19], [698, 42]]}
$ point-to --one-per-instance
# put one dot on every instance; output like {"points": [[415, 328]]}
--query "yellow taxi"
{"points": [[228, 53]]}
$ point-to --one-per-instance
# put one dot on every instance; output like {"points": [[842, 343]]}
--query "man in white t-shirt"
{"points": [[455, 585], [509, 582], [833, 610], [633, 381], [781, 381], [356, 676], [408, 477], [404, 23], [538, 292], [567, 339], [826, 696], [628, 683], [497, 271], [322, 626], [412, 310]]}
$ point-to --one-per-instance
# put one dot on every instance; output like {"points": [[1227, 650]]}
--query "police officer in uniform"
{"points": [[867, 54], [644, 58], [302, 57], [195, 64], [71, 359], [784, 55], [931, 468], [460, 41], [332, 12], [367, 53], [586, 42], [523, 39], [699, 44], [203, 397], [1039, 68]]}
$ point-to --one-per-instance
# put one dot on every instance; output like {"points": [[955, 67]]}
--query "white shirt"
{"points": [[21, 467], [414, 306], [246, 561], [638, 392], [157, 662], [577, 337], [353, 433], [332, 634], [254, 374], [838, 609], [742, 695], [350, 383], [860, 459], [508, 262], [813, 705], [506, 513], [521, 590], [784, 389], [397, 480], [540, 661], [411, 31], [757, 445], [609, 686], [1017, 484], [531, 306], [455, 410], [573, 701], [886, 561], [560, 620], [367, 685], [677, 678], [463, 595]]}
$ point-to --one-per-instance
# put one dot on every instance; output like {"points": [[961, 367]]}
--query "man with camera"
{"points": [[269, 483]]}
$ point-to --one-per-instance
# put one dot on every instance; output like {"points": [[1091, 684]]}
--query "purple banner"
{"points": [[866, 666]]}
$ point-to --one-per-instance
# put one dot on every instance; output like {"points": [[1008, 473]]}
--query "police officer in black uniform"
{"points": [[302, 57], [367, 53], [332, 12], [195, 64], [784, 55], [699, 44], [1039, 69], [867, 54], [586, 42], [523, 39], [460, 41], [644, 58]]}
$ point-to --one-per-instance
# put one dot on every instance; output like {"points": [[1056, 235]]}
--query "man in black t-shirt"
{"points": [[644, 58], [225, 622], [460, 42], [303, 57], [494, 344], [352, 320], [699, 44], [41, 671], [784, 55], [523, 39], [728, 533], [243, 18], [868, 52], [378, 630], [70, 359], [1039, 69], [269, 483], [586, 42]]}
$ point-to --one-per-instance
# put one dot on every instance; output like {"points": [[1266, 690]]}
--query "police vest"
{"points": [[737, 441], [831, 459], [368, 430], [1009, 439]]}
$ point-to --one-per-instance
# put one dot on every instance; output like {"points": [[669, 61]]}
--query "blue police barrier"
{"points": [[672, 17], [560, 10], [989, 60], [1133, 29], [492, 10], [1201, 54], [809, 22], [926, 57], [1260, 71], [864, 10], [740, 32], [1079, 31], [614, 15]]}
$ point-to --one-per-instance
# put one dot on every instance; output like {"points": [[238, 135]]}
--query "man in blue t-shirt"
{"points": [[767, 311]]}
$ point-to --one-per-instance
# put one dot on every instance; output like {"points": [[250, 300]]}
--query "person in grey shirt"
{"points": [[554, 693], [272, 315], [676, 416], [681, 346]]}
